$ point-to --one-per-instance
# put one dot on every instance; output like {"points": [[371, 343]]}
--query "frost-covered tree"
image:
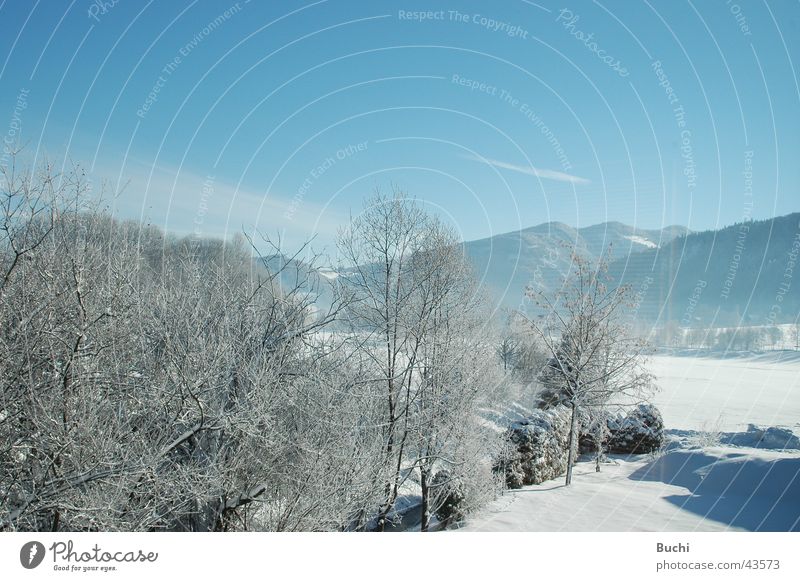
{"points": [[773, 336], [415, 307], [150, 382], [795, 330], [153, 382], [507, 350], [595, 360], [454, 363]]}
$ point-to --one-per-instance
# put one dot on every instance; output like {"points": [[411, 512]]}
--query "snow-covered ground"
{"points": [[696, 485], [714, 489], [713, 393]]}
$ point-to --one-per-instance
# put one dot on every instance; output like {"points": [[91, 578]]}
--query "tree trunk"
{"points": [[598, 441], [573, 428], [426, 517], [383, 516]]}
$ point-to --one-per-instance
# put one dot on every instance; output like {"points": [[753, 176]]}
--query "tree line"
{"points": [[155, 382], [152, 382], [738, 338]]}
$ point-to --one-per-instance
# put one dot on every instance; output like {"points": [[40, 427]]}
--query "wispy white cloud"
{"points": [[545, 174], [183, 202]]}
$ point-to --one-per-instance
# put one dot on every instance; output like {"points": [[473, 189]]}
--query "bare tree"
{"points": [[414, 305], [773, 335], [452, 357], [595, 360], [507, 351], [152, 382], [149, 382], [377, 249]]}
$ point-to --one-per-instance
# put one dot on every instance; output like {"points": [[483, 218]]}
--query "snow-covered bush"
{"points": [[641, 431], [593, 432], [450, 497], [773, 438], [537, 448]]}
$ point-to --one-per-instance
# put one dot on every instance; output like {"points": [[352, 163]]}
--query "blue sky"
{"points": [[283, 116]]}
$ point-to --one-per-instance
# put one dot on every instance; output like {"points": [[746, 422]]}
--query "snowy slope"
{"points": [[540, 255], [696, 485], [716, 489]]}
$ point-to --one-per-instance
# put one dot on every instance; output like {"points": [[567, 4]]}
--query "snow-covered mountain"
{"points": [[539, 256], [740, 273]]}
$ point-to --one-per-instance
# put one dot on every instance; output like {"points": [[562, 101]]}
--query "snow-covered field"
{"points": [[706, 393], [714, 489], [697, 485]]}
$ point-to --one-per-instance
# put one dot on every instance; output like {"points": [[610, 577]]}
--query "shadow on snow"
{"points": [[753, 492]]}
